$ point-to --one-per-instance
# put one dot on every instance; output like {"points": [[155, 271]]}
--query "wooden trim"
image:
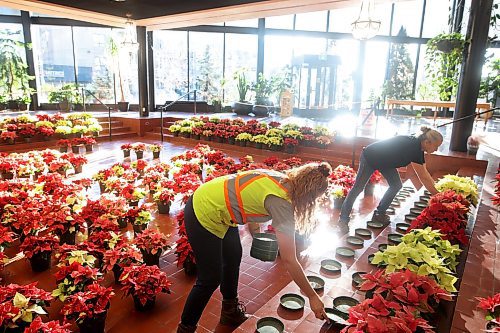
{"points": [[64, 11]]}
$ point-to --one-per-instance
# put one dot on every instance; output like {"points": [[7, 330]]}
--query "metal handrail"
{"points": [[102, 103], [165, 106]]}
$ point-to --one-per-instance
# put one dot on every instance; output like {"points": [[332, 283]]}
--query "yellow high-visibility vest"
{"points": [[236, 199]]}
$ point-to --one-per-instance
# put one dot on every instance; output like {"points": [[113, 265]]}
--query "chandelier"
{"points": [[365, 26], [130, 36]]}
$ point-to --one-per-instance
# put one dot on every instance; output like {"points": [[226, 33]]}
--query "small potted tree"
{"points": [[143, 283], [151, 243]]}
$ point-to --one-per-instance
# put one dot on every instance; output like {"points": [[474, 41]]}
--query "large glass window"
{"points": [[436, 18], [241, 52], [315, 21], [348, 51], [95, 58], [341, 19], [9, 11], [53, 53], [374, 69], [11, 86], [253, 23], [170, 62], [280, 22], [408, 14], [205, 64], [278, 53]]}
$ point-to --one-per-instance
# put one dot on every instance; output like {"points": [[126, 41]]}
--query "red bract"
{"points": [[76, 273], [183, 251], [489, 303], [90, 303], [6, 236], [407, 288], [36, 295], [376, 177], [126, 146], [496, 197], [37, 244], [144, 282], [152, 241], [37, 326], [123, 255]]}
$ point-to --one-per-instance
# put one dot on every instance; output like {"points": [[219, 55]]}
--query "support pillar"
{"points": [[260, 47], [30, 61], [151, 73], [142, 72], [470, 74]]}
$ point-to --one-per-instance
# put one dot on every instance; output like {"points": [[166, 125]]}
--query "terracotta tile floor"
{"points": [[261, 283]]}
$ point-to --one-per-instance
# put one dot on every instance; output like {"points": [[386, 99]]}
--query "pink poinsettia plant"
{"points": [[90, 303], [144, 282]]}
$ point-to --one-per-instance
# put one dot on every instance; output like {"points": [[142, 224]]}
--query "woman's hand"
{"points": [[318, 307]]}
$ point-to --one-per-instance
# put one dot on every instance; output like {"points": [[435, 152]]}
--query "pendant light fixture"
{"points": [[365, 26], [129, 42]]}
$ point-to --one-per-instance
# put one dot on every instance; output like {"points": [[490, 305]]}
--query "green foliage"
{"points": [[241, 84], [401, 70], [207, 76], [13, 69], [443, 67], [67, 92], [490, 85], [266, 88]]}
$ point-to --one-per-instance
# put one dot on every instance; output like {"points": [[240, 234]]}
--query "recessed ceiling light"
{"points": [[117, 0]]}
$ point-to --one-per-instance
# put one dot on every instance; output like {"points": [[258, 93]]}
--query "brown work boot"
{"points": [[185, 329], [232, 312], [381, 217]]}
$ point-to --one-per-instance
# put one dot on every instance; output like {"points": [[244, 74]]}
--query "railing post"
{"points": [[83, 100], [109, 122], [161, 123], [195, 102]]}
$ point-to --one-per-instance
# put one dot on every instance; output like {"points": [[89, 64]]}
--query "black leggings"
{"points": [[217, 263]]}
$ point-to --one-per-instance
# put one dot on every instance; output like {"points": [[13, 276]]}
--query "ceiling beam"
{"points": [[64, 11]]}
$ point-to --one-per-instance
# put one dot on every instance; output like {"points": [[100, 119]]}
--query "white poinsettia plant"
{"points": [[461, 185]]}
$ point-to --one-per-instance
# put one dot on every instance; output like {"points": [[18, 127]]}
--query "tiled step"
{"points": [[115, 135], [105, 130]]}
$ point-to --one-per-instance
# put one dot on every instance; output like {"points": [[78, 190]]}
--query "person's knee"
{"points": [[209, 283]]}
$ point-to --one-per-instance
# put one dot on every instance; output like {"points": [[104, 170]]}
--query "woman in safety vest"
{"points": [[386, 156], [212, 217]]}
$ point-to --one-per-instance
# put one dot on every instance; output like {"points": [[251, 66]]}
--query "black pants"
{"points": [[217, 263]]}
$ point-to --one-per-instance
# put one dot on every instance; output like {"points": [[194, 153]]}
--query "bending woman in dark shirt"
{"points": [[386, 156]]}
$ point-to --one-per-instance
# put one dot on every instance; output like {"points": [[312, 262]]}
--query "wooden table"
{"points": [[436, 105]]}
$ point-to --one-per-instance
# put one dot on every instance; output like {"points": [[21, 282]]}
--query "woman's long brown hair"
{"points": [[306, 184]]}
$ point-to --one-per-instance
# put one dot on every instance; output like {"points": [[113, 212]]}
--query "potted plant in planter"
{"points": [[63, 131], [139, 149], [151, 243], [27, 131], [45, 128], [63, 145], [126, 148], [132, 194], [323, 141], [77, 161], [94, 129], [175, 129], [243, 138], [89, 308], [20, 305], [139, 217], [338, 196], [492, 308], [66, 97], [156, 149], [472, 145], [164, 198], [119, 257], [290, 145], [38, 249], [207, 135], [375, 178], [115, 53], [275, 143], [143, 283], [9, 137], [53, 326], [73, 278], [242, 107], [260, 140], [89, 143]]}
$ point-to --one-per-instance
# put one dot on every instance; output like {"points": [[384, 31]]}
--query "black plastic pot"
{"points": [[123, 106], [264, 247], [75, 149], [139, 154], [126, 153], [40, 261], [67, 237], [122, 223], [63, 149], [139, 228], [88, 148], [117, 272], [163, 208], [150, 304], [151, 259], [156, 154], [78, 169], [337, 202], [7, 175], [93, 325]]}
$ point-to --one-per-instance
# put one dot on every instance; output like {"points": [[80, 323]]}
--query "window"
{"points": [[170, 65], [374, 69], [252, 23], [408, 14], [9, 11], [97, 64], [205, 64], [278, 53], [348, 51], [280, 22], [341, 19], [315, 21], [241, 52], [11, 86], [53, 53], [436, 18]]}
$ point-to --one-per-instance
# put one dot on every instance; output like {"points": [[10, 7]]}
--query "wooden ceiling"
{"points": [[168, 14]]}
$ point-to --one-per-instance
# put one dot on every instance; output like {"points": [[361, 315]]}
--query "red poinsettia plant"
{"points": [[88, 140], [144, 282], [184, 251], [139, 146], [151, 241], [491, 306], [449, 197], [496, 197], [377, 315], [290, 142], [6, 235], [53, 326], [37, 244], [417, 292], [90, 303], [376, 177], [75, 160], [73, 278], [126, 146], [7, 135], [448, 218], [123, 255]]}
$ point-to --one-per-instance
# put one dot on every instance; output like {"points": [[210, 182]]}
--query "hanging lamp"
{"points": [[365, 26]]}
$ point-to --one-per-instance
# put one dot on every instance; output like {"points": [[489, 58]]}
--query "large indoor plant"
{"points": [[115, 54], [66, 96], [242, 106]]}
